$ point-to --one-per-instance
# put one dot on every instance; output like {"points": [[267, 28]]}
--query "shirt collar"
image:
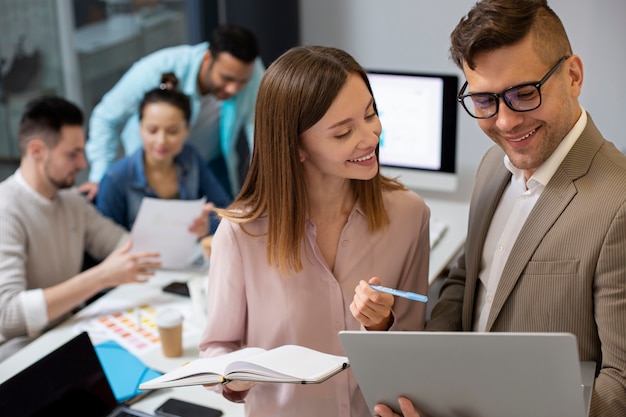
{"points": [[357, 209], [138, 169], [19, 178]]}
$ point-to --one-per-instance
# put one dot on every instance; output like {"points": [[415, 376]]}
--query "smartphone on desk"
{"points": [[173, 407], [179, 288]]}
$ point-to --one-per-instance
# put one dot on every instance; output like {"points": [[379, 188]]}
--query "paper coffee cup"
{"points": [[169, 321]]}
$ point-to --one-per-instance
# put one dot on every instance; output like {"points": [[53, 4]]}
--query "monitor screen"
{"points": [[418, 113]]}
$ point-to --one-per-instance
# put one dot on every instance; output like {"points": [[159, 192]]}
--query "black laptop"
{"points": [[68, 382]]}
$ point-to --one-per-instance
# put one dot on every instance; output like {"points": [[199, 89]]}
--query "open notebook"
{"points": [[451, 374]]}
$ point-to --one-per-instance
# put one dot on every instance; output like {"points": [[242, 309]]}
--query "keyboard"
{"points": [[437, 229]]}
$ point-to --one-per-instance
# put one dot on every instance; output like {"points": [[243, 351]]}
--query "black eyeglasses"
{"points": [[520, 98]]}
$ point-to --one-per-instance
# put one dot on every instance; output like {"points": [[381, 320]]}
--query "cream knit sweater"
{"points": [[42, 243]]}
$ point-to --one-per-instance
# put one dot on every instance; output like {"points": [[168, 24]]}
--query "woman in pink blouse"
{"points": [[313, 225]]}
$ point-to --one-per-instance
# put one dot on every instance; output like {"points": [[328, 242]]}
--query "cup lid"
{"points": [[168, 317]]}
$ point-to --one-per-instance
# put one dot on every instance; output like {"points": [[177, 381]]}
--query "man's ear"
{"points": [[36, 148], [575, 72], [208, 58]]}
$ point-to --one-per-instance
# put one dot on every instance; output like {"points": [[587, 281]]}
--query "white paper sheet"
{"points": [[162, 226]]}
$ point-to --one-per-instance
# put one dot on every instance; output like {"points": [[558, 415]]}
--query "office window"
{"points": [[77, 49]]}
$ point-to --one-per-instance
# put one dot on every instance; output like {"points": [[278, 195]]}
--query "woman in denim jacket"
{"points": [[164, 167]]}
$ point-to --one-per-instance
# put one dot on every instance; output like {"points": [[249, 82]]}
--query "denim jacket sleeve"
{"points": [[111, 200]]}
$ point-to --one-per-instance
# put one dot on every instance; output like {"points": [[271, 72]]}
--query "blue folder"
{"points": [[123, 370]]}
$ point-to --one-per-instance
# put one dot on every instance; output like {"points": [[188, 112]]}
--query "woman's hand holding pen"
{"points": [[370, 307]]}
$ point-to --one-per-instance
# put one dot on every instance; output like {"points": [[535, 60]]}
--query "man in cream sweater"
{"points": [[46, 226]]}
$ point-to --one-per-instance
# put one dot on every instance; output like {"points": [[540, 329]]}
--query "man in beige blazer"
{"points": [[546, 246]]}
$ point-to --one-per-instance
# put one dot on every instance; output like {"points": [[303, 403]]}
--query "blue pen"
{"points": [[404, 294]]}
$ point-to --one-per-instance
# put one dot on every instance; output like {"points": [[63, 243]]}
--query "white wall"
{"points": [[414, 35]]}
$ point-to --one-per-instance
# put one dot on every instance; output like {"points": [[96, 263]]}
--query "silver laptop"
{"points": [[452, 374], [68, 382]]}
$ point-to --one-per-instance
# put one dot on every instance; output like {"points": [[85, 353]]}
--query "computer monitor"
{"points": [[418, 113]]}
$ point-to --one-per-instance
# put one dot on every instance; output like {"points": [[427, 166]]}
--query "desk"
{"points": [[455, 215], [133, 294]]}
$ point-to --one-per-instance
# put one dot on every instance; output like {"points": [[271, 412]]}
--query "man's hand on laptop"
{"points": [[406, 406]]}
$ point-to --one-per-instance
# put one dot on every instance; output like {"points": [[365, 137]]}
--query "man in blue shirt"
{"points": [[221, 77]]}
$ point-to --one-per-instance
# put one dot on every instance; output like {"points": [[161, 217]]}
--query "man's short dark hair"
{"points": [[236, 40], [493, 24], [45, 116]]}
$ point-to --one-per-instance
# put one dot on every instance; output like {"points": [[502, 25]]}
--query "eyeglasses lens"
{"points": [[481, 105], [521, 98]]}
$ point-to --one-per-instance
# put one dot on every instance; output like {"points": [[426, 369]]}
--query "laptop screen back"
{"points": [[470, 374], [69, 381]]}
